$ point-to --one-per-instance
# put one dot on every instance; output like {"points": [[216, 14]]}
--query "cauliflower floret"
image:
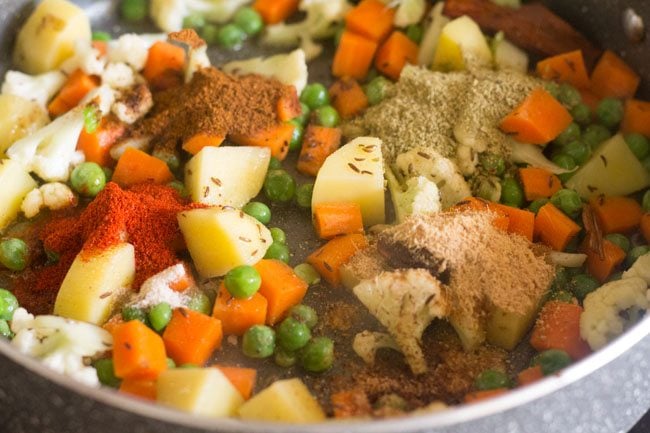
{"points": [[61, 344], [32, 203], [602, 319], [420, 195], [101, 97], [51, 151], [86, 58], [133, 49], [366, 344], [118, 75], [438, 169], [133, 103], [38, 88], [290, 69], [169, 14], [54, 196], [640, 269], [409, 12], [405, 302]]}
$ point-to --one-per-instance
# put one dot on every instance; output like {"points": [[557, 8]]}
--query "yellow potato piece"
{"points": [[201, 391], [461, 40], [507, 329], [286, 401], [448, 56], [15, 183], [92, 288], [220, 239], [49, 35], [18, 117]]}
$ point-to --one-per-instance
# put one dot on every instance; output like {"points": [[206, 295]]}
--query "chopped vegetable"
{"points": [[554, 228], [277, 138], [136, 166], [329, 258], [353, 56], [636, 117], [275, 11], [617, 214], [334, 219], [138, 352], [551, 361], [281, 287], [371, 19], [558, 327], [530, 375], [394, 54], [602, 265], [538, 183], [164, 66], [348, 98], [568, 67], [191, 337], [612, 77], [238, 315], [319, 142]]}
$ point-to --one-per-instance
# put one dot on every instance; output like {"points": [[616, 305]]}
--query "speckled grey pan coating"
{"points": [[603, 394]]}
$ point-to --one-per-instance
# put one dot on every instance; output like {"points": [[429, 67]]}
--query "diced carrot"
{"points": [[243, 379], [191, 337], [329, 258], [276, 138], [139, 388], [318, 143], [100, 46], [589, 98], [500, 221], [636, 117], [281, 287], [538, 183], [554, 228], [353, 56], [520, 221], [237, 315], [645, 226], [476, 396], [138, 352], [164, 66], [530, 375], [372, 19], [116, 319], [347, 96], [558, 327], [96, 146], [275, 11], [566, 68], [612, 77], [616, 214], [395, 53], [350, 404], [184, 282], [539, 119], [289, 104], [197, 142], [136, 166], [334, 219], [602, 267], [73, 91]]}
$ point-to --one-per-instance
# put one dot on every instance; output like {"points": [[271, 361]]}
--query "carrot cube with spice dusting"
{"points": [[329, 258], [554, 228], [191, 337], [347, 96], [138, 352], [237, 315], [394, 54], [318, 143], [372, 19], [281, 287]]}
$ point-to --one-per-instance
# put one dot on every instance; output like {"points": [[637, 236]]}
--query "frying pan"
{"points": [[606, 392]]}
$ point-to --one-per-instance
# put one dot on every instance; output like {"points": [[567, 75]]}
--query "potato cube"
{"points": [[16, 183]]}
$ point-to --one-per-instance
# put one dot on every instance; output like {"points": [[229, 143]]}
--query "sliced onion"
{"points": [[567, 260], [532, 154]]}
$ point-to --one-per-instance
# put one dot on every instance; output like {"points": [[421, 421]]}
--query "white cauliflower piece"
{"points": [[86, 58], [118, 75], [54, 196], [405, 302], [640, 269], [196, 59], [32, 203], [602, 319], [367, 343], [419, 195], [140, 143], [409, 12], [438, 169], [532, 155], [290, 69], [38, 88], [133, 49], [61, 344], [51, 151], [101, 97], [133, 103], [168, 15]]}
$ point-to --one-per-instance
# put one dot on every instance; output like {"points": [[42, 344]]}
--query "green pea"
{"points": [[493, 164], [170, 363], [52, 257], [551, 361], [492, 379], [293, 334], [315, 96], [259, 211], [14, 254], [582, 285], [415, 32], [620, 241], [108, 173], [304, 314], [88, 179], [296, 136], [581, 114], [562, 296], [279, 186], [210, 34], [610, 112], [8, 304], [134, 313], [258, 342], [561, 280], [5, 330], [249, 20], [635, 253], [92, 117], [194, 21], [594, 135], [318, 355], [645, 203], [377, 89], [511, 193], [284, 358], [553, 88], [243, 281], [646, 163], [100, 36], [564, 161], [536, 205], [568, 201], [106, 372], [569, 95], [487, 188], [278, 251], [201, 303], [231, 36], [307, 273], [159, 316], [169, 156], [278, 235], [274, 163], [392, 402], [305, 114], [327, 116], [639, 145], [571, 133], [179, 187], [303, 195], [133, 10], [577, 150]]}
